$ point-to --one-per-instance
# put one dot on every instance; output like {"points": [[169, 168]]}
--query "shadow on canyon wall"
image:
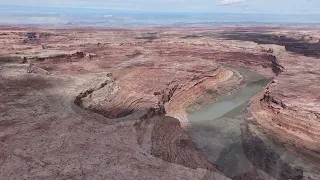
{"points": [[171, 143], [23, 85], [244, 155], [293, 45], [266, 158], [159, 135]]}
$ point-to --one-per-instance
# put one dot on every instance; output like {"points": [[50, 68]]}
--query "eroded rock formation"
{"points": [[289, 107], [131, 90]]}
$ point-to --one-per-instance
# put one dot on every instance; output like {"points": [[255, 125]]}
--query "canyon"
{"points": [[116, 103]]}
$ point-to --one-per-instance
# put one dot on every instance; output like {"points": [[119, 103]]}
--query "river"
{"points": [[217, 129]]}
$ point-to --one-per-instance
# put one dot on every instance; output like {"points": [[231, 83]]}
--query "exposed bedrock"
{"points": [[163, 137], [159, 135], [170, 92], [289, 108]]}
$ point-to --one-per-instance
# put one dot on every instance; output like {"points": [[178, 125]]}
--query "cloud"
{"points": [[230, 2]]}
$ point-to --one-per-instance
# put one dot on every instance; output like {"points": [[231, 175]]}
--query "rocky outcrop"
{"points": [[166, 139], [275, 66], [289, 108], [31, 37], [115, 99], [159, 135], [56, 58]]}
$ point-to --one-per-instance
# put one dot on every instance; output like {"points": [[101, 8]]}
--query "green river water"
{"points": [[216, 130]]}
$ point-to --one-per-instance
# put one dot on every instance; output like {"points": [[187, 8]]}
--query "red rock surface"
{"points": [[290, 106], [130, 79]]}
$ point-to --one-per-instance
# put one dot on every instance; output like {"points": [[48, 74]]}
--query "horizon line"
{"points": [[119, 10]]}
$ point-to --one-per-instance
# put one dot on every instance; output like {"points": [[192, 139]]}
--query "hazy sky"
{"points": [[229, 6]]}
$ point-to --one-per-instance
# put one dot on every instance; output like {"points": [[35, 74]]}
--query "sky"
{"points": [[199, 6]]}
